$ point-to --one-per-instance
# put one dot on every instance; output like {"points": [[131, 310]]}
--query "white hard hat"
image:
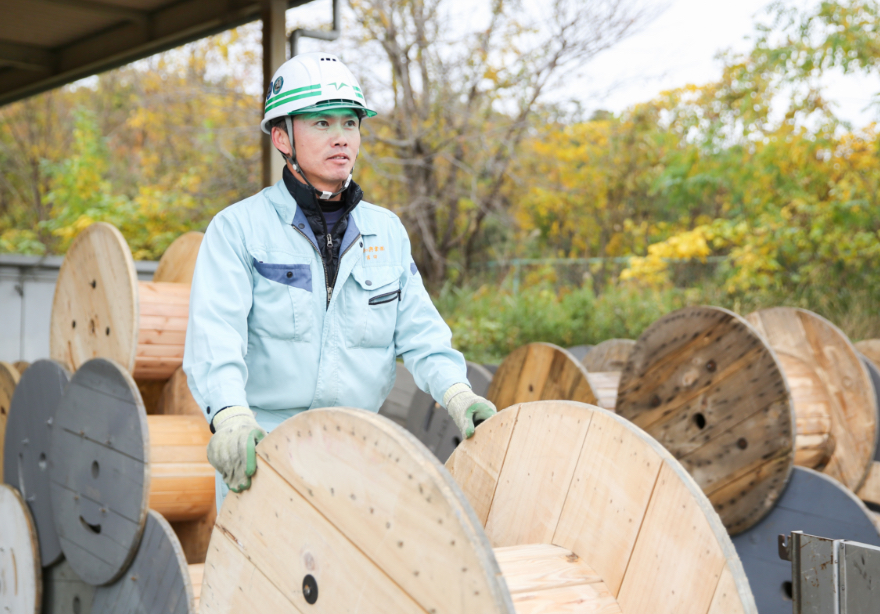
{"points": [[312, 82]]}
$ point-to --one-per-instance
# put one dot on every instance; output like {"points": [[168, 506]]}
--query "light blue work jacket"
{"points": [[261, 333]]}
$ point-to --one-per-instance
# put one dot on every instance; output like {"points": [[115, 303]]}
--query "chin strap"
{"points": [[292, 160]]}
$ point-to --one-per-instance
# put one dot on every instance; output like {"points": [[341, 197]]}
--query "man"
{"points": [[303, 295]]}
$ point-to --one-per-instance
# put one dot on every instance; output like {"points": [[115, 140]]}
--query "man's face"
{"points": [[327, 145]]}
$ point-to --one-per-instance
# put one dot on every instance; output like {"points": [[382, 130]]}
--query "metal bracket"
{"points": [[323, 35]]}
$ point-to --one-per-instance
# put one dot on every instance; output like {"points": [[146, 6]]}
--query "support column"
{"points": [[274, 55]]}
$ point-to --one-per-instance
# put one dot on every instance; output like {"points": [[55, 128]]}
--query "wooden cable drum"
{"points": [[603, 364], [9, 377], [870, 489], [178, 262], [349, 512], [831, 390], [703, 382], [815, 504], [158, 580], [432, 424], [28, 450], [64, 592], [100, 309], [540, 372], [21, 579], [110, 461]]}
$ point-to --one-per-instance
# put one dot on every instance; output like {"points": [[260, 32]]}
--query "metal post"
{"points": [[274, 55], [323, 35]]}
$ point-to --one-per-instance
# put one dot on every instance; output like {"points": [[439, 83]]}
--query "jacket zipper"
{"points": [[388, 297], [321, 258]]}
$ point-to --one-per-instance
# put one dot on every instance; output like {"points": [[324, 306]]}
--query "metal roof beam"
{"points": [[27, 57], [134, 15]]}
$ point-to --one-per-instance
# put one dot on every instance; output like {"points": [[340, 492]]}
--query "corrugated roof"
{"points": [[47, 43]]}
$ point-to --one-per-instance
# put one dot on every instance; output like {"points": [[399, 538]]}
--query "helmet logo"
{"points": [[338, 86], [276, 87]]}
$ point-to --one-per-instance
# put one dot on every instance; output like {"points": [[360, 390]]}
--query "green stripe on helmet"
{"points": [[307, 88], [290, 98]]}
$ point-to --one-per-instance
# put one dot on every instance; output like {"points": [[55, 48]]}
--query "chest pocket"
{"points": [[370, 299], [282, 307]]}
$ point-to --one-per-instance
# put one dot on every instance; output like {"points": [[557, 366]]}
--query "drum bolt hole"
{"points": [[700, 421], [96, 469], [655, 401], [76, 606], [42, 462], [73, 324], [94, 283], [742, 444], [786, 590], [107, 332], [310, 589], [711, 366]]}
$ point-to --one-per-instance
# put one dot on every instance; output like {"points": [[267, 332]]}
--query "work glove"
{"points": [[466, 408], [232, 448]]}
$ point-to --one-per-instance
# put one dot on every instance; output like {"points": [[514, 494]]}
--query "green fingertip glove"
{"points": [[467, 408], [232, 449]]}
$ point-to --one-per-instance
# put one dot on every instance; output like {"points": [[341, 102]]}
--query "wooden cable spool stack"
{"points": [[540, 372], [100, 308], [110, 462], [831, 389], [28, 447], [558, 507], [21, 581], [603, 363]]}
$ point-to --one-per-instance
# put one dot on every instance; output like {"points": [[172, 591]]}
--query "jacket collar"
{"points": [[287, 210]]}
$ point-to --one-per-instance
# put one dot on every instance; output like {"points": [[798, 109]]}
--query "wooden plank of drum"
{"points": [[610, 355], [28, 451], [813, 503], [9, 377], [383, 494], [95, 307], [544, 578], [158, 580], [100, 471], [853, 407], [21, 579], [703, 382], [539, 371], [64, 592], [178, 262]]}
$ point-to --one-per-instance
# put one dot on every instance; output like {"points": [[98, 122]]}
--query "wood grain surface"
{"points": [[9, 377], [95, 308], [368, 514], [584, 479], [28, 450], [546, 578], [64, 592], [158, 580], [704, 383], [181, 479], [813, 503], [21, 581], [164, 312], [539, 371], [99, 471], [852, 406], [610, 355], [179, 261]]}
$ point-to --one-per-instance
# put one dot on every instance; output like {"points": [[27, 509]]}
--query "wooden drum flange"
{"points": [[347, 511], [832, 380], [28, 449], [100, 309], [702, 381], [111, 461], [21, 580], [539, 372]]}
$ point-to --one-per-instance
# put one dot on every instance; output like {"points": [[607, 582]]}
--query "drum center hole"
{"points": [[96, 469], [94, 528], [700, 421]]}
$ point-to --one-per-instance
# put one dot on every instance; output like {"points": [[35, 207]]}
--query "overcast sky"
{"points": [[676, 49]]}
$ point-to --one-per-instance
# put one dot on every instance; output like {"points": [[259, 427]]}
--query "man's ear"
{"points": [[280, 140]]}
